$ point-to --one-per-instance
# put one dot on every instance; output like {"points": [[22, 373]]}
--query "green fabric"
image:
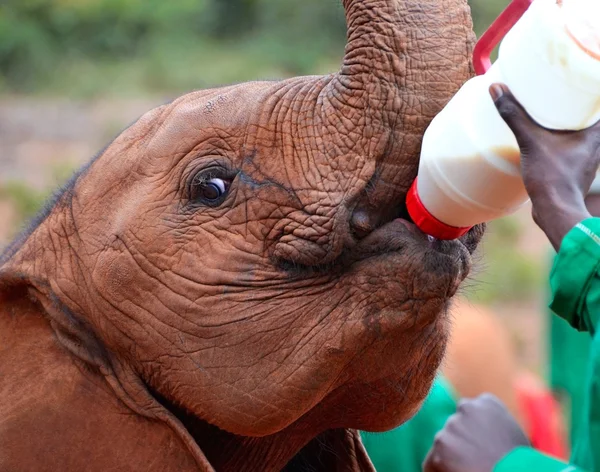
{"points": [[405, 448], [569, 354], [575, 284], [574, 278], [525, 459]]}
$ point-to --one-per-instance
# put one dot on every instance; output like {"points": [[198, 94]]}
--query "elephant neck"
{"points": [[296, 448], [49, 268]]}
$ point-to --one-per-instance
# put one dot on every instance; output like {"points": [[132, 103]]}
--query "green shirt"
{"points": [[569, 351], [405, 448], [575, 283]]}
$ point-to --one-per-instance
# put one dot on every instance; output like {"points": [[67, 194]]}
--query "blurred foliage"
{"points": [[26, 200], [95, 47], [506, 273]]}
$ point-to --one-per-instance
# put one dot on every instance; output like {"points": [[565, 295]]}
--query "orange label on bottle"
{"points": [[583, 24]]}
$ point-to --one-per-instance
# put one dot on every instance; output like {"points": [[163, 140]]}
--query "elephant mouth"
{"points": [[390, 244], [398, 247], [469, 241], [401, 233]]}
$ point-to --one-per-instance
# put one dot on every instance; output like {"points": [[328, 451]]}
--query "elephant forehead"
{"points": [[310, 163], [219, 113], [313, 185], [267, 146]]}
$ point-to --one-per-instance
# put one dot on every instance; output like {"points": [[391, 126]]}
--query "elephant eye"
{"points": [[210, 188], [214, 189]]}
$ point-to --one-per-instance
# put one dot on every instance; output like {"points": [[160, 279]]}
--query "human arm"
{"points": [[482, 436], [558, 167]]}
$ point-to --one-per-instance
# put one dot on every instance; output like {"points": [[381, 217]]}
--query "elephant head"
{"points": [[239, 265]]}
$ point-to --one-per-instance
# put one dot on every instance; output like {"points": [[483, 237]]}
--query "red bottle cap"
{"points": [[428, 223]]}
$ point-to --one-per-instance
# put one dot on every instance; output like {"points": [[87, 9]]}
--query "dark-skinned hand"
{"points": [[475, 438], [558, 167]]}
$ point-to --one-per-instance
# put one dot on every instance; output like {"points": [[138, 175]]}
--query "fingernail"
{"points": [[496, 91]]}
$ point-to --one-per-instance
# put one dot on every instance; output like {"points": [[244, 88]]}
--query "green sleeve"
{"points": [[525, 459], [574, 280]]}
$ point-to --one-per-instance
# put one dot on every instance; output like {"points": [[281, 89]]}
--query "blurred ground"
{"points": [[74, 73]]}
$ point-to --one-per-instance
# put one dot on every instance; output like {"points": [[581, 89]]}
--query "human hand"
{"points": [[475, 438], [558, 167]]}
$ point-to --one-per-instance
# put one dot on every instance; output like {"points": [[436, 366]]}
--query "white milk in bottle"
{"points": [[469, 171]]}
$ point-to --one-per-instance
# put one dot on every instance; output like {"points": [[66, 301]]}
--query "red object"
{"points": [[543, 416], [425, 221], [495, 33], [428, 223]]}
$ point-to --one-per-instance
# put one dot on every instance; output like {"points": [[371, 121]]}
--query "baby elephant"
{"points": [[231, 284]]}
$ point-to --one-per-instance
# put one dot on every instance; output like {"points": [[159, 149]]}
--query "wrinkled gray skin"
{"points": [[164, 332]]}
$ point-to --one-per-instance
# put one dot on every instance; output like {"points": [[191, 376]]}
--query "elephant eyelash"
{"points": [[203, 179], [372, 184]]}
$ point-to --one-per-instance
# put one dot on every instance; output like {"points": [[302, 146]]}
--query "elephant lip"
{"points": [[401, 222], [468, 241], [399, 233], [405, 218], [408, 223], [388, 240]]}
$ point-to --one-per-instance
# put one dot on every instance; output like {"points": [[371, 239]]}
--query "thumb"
{"points": [[513, 113], [430, 464], [595, 131]]}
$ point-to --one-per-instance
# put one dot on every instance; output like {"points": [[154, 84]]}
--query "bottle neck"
{"points": [[428, 223]]}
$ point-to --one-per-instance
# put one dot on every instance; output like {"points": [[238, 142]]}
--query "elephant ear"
{"points": [[338, 450]]}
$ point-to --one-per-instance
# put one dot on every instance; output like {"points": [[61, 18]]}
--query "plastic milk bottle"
{"points": [[469, 171]]}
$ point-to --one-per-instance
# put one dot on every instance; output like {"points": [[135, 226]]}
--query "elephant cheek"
{"points": [[117, 297], [113, 276]]}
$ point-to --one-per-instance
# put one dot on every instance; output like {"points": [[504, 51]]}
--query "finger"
{"points": [[595, 132], [490, 399], [513, 113], [432, 463], [596, 125], [463, 404]]}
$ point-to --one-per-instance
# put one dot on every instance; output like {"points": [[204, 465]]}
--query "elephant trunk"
{"points": [[404, 61], [416, 50]]}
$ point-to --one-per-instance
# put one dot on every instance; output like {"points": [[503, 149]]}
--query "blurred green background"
{"points": [[139, 47], [75, 72]]}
